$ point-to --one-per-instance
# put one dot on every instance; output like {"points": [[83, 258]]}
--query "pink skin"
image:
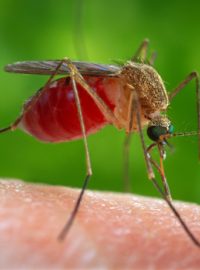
{"points": [[111, 231]]}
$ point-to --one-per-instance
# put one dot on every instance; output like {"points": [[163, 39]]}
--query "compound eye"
{"points": [[154, 132]]}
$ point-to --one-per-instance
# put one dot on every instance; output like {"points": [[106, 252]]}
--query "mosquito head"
{"points": [[160, 128]]}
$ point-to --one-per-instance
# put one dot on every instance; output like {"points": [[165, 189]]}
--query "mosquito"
{"points": [[90, 96]]}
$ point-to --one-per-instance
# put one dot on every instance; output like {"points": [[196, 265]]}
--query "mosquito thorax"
{"points": [[148, 84], [159, 127]]}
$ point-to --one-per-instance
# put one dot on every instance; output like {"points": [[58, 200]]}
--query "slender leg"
{"points": [[126, 169], [141, 53], [76, 77], [177, 214], [12, 126], [88, 164], [127, 141], [138, 118], [191, 76], [160, 169], [39, 93], [152, 58], [163, 177], [155, 183]]}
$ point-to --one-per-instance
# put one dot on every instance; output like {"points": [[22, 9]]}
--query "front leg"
{"points": [[141, 54]]}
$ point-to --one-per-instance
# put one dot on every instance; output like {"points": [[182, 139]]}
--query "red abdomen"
{"points": [[53, 117]]}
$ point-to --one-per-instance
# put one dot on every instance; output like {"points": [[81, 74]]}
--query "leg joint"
{"points": [[194, 74]]}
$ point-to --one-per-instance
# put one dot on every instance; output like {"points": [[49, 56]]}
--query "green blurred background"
{"points": [[33, 30]]}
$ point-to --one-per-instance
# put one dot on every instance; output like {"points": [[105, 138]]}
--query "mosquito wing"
{"points": [[48, 67]]}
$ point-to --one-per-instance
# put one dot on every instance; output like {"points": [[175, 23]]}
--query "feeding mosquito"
{"points": [[90, 96]]}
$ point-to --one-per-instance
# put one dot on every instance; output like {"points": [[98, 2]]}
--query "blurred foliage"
{"points": [[112, 30]]}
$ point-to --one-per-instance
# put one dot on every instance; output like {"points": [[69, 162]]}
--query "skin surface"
{"points": [[112, 230]]}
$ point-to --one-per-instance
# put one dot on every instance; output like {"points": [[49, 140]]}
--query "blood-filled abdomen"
{"points": [[53, 116]]}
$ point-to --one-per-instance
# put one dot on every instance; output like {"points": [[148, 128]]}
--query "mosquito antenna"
{"points": [[78, 33], [184, 134]]}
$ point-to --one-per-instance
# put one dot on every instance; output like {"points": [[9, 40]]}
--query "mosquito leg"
{"points": [[76, 77], [88, 166], [126, 174], [147, 158], [141, 53], [88, 161], [164, 181], [191, 76], [127, 141], [12, 126], [39, 93], [177, 214], [160, 169], [138, 119], [152, 58], [163, 177], [98, 100]]}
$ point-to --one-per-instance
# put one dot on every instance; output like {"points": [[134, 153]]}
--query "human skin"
{"points": [[111, 231]]}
